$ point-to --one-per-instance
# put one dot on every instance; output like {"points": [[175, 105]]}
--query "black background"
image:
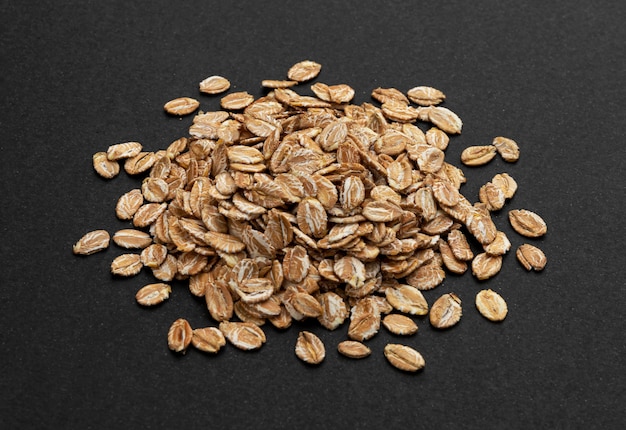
{"points": [[78, 76]]}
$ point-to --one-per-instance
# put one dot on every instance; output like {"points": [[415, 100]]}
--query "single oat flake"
{"points": [[404, 357], [491, 305], [309, 348]]}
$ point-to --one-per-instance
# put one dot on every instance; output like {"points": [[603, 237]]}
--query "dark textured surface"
{"points": [[77, 352]]}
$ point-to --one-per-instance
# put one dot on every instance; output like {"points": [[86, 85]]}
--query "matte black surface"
{"points": [[78, 76]]}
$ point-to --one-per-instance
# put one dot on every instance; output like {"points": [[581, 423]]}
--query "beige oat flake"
{"points": [[491, 305], [527, 223], [446, 311], [353, 349], [181, 106], [531, 257], [179, 335], [404, 357], [309, 348], [214, 85], [153, 294], [304, 71], [92, 242]]}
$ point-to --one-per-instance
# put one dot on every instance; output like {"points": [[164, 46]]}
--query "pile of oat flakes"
{"points": [[294, 207]]}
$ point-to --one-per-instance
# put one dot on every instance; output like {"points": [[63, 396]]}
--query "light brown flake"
{"points": [[153, 255], [408, 299], [353, 349], [304, 71], [219, 300], [181, 106], [499, 246], [236, 101], [426, 96], [531, 257], [364, 320], [208, 339], [399, 324], [404, 357], [310, 348], [123, 150], [243, 335], [445, 119], [506, 183], [179, 335], [153, 294], [334, 310], [140, 163], [132, 239], [274, 83], [128, 204], [491, 305], [507, 148], [446, 311], [104, 167], [485, 266], [214, 85], [126, 265], [148, 213], [92, 242], [478, 155], [527, 223]]}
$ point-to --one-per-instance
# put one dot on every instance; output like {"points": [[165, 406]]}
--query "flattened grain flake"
{"points": [[214, 85], [404, 357], [527, 223], [126, 265], [153, 294], [181, 106], [304, 71], [531, 257], [309, 348], [446, 311], [399, 324], [123, 150], [179, 336], [243, 335], [491, 305], [353, 349], [92, 242], [208, 339], [104, 167]]}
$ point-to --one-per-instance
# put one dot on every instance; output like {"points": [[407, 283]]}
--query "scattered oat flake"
{"points": [[92, 242], [214, 85], [181, 106], [304, 71], [491, 305]]}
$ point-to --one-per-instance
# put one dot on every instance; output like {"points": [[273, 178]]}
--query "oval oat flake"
{"points": [[404, 357], [126, 265], [446, 311], [153, 294], [353, 349], [214, 85], [181, 106], [304, 71], [92, 242], [208, 339], [309, 348], [527, 223], [179, 335], [491, 305], [243, 335], [531, 257]]}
